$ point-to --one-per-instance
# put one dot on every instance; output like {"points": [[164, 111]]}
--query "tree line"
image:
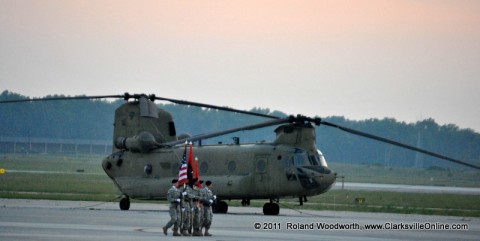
{"points": [[93, 119]]}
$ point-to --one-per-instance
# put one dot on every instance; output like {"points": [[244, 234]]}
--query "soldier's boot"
{"points": [[185, 233], [207, 233], [175, 232], [165, 230], [197, 232], [190, 230]]}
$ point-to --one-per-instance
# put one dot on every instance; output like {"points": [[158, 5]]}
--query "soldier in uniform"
{"points": [[197, 210], [207, 201], [174, 197], [187, 206]]}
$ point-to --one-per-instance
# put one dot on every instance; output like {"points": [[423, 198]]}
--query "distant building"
{"points": [[32, 145]]}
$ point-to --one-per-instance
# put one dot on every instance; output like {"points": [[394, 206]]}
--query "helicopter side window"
{"points": [[203, 168], [148, 169], [261, 165], [232, 166], [175, 168], [289, 161]]}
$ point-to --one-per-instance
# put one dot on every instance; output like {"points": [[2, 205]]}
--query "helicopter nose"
{"points": [[326, 180], [329, 180], [317, 179]]}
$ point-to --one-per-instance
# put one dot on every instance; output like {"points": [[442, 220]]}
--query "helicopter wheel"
{"points": [[220, 207], [271, 208], [125, 203]]}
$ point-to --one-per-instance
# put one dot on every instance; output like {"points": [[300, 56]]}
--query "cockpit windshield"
{"points": [[321, 158], [301, 158], [314, 160]]}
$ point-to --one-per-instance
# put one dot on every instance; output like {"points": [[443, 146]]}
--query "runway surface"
{"points": [[71, 220]]}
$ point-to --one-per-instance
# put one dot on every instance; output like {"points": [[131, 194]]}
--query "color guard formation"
{"points": [[190, 208]]}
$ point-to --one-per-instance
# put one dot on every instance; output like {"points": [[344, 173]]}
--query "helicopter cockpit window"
{"points": [[301, 159], [323, 162], [171, 128], [314, 160]]}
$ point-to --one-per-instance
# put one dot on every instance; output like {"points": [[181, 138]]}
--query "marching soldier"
{"points": [[174, 197], [207, 201], [197, 211], [187, 207]]}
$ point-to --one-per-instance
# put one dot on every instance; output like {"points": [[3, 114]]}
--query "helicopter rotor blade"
{"points": [[224, 132], [184, 102], [63, 98], [126, 96], [395, 143]]}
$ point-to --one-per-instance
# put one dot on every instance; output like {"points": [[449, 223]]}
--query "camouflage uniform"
{"points": [[197, 211], [173, 196], [187, 205], [207, 199]]}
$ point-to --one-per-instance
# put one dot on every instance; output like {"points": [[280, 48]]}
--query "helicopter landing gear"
{"points": [[124, 203], [220, 207], [303, 199], [271, 208], [246, 202]]}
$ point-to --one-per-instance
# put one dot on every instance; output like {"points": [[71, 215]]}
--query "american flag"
{"points": [[182, 173]]}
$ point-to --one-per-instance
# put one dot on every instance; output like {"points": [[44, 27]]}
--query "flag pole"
{"points": [[197, 173]]}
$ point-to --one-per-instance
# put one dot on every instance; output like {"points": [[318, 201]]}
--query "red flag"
{"points": [[190, 170]]}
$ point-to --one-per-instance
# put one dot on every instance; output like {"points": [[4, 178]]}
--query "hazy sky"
{"points": [[404, 59]]}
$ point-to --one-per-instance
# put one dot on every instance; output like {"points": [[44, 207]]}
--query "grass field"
{"points": [[432, 176], [55, 177], [82, 178]]}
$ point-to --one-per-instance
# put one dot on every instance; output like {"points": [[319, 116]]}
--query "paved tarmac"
{"points": [[71, 220]]}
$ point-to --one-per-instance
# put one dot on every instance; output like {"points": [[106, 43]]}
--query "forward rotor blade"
{"points": [[184, 102], [395, 143], [63, 98]]}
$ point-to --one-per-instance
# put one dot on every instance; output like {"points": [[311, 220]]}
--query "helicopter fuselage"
{"points": [[256, 171]]}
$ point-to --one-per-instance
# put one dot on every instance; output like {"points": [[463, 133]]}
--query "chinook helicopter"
{"points": [[147, 154]]}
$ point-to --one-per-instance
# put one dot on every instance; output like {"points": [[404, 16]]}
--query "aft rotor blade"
{"points": [[184, 102], [224, 132], [63, 98], [378, 138]]}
